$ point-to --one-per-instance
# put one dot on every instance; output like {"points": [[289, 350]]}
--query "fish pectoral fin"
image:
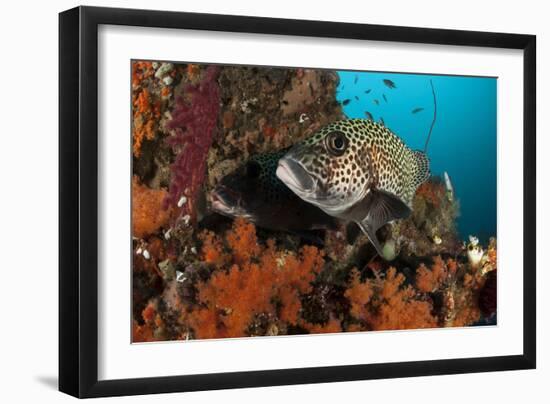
{"points": [[383, 208], [353, 230], [371, 234]]}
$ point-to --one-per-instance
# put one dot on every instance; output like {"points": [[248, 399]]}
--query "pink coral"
{"points": [[193, 123]]}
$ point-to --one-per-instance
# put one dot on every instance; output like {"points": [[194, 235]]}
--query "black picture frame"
{"points": [[78, 201]]}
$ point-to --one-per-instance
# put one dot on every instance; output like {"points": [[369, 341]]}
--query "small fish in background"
{"points": [[369, 115], [356, 79], [390, 84], [449, 189], [417, 110], [376, 101], [357, 98], [356, 170], [346, 101], [385, 98], [382, 121], [254, 192], [368, 91]]}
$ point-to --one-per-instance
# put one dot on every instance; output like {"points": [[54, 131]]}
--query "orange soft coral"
{"points": [[146, 116], [242, 241], [359, 295], [384, 304], [141, 71], [458, 286], [213, 250], [333, 325], [256, 280], [142, 333], [148, 216], [149, 313], [145, 332], [428, 280]]}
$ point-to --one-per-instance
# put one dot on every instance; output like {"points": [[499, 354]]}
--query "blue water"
{"points": [[464, 138]]}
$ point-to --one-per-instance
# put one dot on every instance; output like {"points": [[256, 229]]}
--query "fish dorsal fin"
{"points": [[383, 208]]}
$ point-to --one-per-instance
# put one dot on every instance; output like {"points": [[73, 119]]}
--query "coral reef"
{"points": [[268, 109], [285, 292], [431, 228], [150, 98], [199, 275]]}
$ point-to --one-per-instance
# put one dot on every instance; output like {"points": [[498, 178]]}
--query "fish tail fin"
{"points": [[421, 171]]}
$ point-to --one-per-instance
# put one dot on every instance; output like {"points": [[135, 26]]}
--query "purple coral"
{"points": [[193, 124]]}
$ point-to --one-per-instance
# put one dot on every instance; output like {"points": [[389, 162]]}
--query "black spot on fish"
{"points": [[376, 102], [417, 110], [355, 80], [369, 115], [346, 101], [389, 83], [384, 96], [367, 91], [357, 98]]}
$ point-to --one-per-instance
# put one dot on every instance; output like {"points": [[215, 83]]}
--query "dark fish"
{"points": [[376, 102], [346, 101], [355, 80], [384, 96], [369, 115], [356, 170], [367, 91], [390, 84], [417, 110], [357, 98], [254, 192]]}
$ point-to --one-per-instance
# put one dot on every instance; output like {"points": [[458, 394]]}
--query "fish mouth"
{"points": [[295, 176], [225, 201]]}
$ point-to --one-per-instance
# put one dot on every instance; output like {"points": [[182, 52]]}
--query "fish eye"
{"points": [[336, 143], [253, 169]]}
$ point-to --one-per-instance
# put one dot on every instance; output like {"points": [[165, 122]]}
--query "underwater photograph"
{"points": [[272, 201]]}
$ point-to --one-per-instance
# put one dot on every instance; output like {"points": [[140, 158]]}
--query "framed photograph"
{"points": [[251, 201]]}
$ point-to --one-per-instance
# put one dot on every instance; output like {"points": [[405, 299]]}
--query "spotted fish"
{"points": [[254, 192], [356, 170]]}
